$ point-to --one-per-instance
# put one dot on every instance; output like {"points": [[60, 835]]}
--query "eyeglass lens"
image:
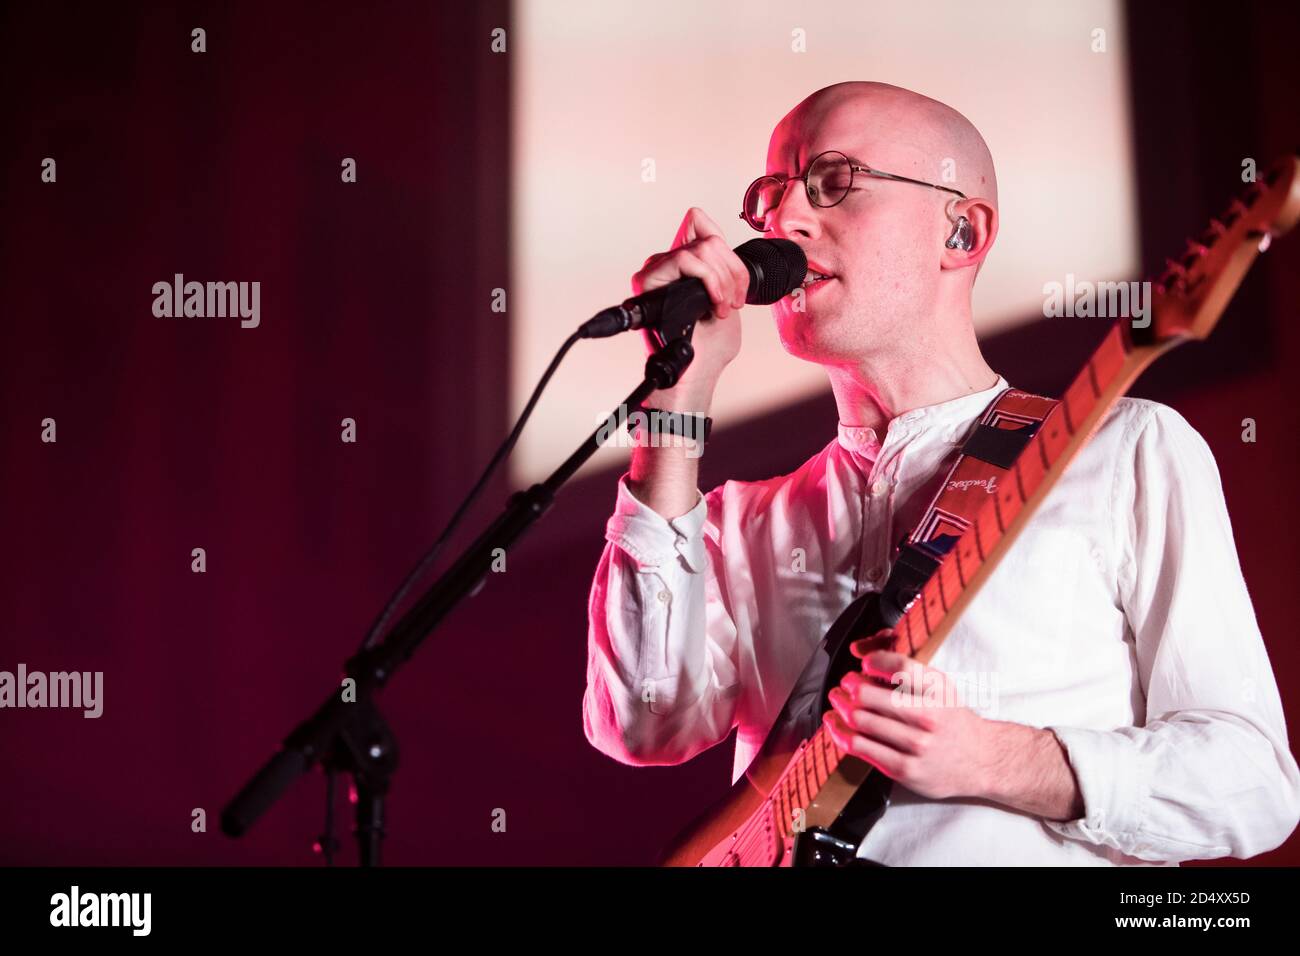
{"points": [[828, 183]]}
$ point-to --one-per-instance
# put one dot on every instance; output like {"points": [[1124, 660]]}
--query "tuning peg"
{"points": [[1235, 211], [1172, 276], [1193, 254], [1212, 233]]}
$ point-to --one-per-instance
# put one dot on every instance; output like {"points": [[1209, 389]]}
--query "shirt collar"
{"points": [[950, 414]]}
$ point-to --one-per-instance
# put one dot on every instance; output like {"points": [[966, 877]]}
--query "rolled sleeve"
{"points": [[1110, 774], [650, 538], [661, 676]]}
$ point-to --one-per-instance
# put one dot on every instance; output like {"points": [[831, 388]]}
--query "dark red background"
{"points": [[175, 434]]}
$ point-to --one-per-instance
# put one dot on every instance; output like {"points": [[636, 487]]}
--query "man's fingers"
{"points": [[706, 239], [699, 251], [886, 664], [696, 225], [691, 263], [882, 640], [715, 251], [868, 693], [727, 259], [884, 727], [884, 758]]}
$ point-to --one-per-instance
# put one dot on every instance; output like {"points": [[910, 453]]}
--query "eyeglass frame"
{"points": [[855, 166]]}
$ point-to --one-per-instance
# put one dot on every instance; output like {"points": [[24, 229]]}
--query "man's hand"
{"points": [[700, 250], [906, 720]]}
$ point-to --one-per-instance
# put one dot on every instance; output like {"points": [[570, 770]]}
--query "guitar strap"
{"points": [[984, 463]]}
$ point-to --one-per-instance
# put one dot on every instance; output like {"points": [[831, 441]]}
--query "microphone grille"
{"points": [[776, 268]]}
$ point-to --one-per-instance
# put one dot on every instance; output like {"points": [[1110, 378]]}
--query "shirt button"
{"points": [[664, 597], [879, 487], [875, 574]]}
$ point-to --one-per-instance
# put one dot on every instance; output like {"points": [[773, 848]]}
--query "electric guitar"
{"points": [[784, 811]]}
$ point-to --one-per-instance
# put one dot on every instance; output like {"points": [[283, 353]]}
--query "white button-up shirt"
{"points": [[1119, 619]]}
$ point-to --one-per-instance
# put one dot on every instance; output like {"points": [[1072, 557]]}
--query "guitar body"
{"points": [[741, 830], [709, 839]]}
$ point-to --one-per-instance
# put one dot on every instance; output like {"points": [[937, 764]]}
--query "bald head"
{"points": [[931, 139], [917, 136]]}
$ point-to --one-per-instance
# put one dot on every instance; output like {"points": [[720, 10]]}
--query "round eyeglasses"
{"points": [[828, 180]]}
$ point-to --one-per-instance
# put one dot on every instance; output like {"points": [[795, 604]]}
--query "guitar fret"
{"points": [[773, 820], [1032, 471], [1042, 453], [1054, 439], [1073, 424], [997, 516], [1115, 347], [943, 600], [832, 752], [924, 602], [1065, 407], [956, 580], [821, 772], [961, 572], [791, 802], [1013, 504]]}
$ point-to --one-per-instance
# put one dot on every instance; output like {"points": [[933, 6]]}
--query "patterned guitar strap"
{"points": [[984, 462]]}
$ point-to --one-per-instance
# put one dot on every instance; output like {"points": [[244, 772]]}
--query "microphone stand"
{"points": [[349, 735]]}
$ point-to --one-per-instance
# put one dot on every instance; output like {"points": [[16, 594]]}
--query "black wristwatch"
{"points": [[673, 423]]}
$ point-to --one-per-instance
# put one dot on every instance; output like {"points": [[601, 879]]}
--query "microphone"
{"points": [[776, 268]]}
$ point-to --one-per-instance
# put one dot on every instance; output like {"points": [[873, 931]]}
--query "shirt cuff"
{"points": [[1109, 770], [650, 538]]}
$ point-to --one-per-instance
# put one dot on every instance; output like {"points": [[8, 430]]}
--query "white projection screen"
{"points": [[600, 87]]}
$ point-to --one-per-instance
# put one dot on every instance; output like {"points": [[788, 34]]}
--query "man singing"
{"points": [[1135, 717]]}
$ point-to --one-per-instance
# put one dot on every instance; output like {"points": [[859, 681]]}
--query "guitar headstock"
{"points": [[1192, 293]]}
